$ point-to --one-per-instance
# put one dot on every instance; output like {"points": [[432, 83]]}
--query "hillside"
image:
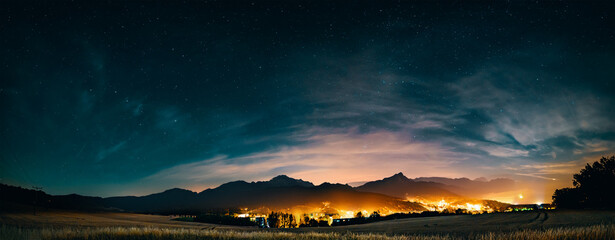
{"points": [[281, 193], [400, 186]]}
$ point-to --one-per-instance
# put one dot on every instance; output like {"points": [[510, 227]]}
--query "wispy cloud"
{"points": [[529, 107], [500, 151], [500, 118], [338, 157], [549, 171]]}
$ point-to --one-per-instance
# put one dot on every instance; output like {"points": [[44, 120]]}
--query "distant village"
{"points": [[319, 219]]}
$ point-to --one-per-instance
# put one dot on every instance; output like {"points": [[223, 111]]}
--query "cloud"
{"points": [[367, 123], [549, 171], [524, 104], [499, 151], [327, 156]]}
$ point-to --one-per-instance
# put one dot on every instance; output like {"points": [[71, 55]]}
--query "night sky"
{"points": [[131, 98]]}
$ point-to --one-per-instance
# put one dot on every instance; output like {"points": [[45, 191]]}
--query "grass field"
{"points": [[527, 225], [80, 219], [468, 224], [95, 233]]}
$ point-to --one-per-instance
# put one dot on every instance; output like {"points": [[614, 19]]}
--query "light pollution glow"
{"points": [[349, 157], [328, 213]]}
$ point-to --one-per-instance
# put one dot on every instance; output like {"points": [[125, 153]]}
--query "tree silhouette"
{"points": [[592, 187], [567, 198], [281, 220], [274, 220]]}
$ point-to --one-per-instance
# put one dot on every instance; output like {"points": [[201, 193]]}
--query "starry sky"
{"points": [[130, 98]]}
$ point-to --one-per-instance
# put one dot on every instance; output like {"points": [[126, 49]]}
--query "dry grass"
{"points": [[561, 233], [531, 225], [155, 233]]}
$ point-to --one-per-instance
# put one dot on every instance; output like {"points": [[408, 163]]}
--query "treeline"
{"points": [[593, 187], [288, 220], [310, 222], [281, 220]]}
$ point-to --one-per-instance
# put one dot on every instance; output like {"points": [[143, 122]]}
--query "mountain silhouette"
{"points": [[17, 199], [168, 201], [279, 193], [285, 181], [283, 192], [400, 186]]}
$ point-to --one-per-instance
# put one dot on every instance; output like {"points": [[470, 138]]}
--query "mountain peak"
{"points": [[284, 181], [281, 178], [176, 190], [399, 174], [398, 177]]}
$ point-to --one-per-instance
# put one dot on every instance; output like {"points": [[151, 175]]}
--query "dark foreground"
{"points": [[525, 225]]}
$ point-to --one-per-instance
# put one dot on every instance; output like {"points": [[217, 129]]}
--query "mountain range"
{"points": [[279, 193]]}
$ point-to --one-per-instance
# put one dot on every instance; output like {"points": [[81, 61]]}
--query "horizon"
{"points": [[316, 184], [98, 101]]}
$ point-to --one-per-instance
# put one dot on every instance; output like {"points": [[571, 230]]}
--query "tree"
{"points": [[567, 198], [323, 223], [291, 221], [281, 220], [461, 211], [375, 215], [592, 187], [313, 223], [274, 220]]}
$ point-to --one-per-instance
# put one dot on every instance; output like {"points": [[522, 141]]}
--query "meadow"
{"points": [[155, 233], [98, 226]]}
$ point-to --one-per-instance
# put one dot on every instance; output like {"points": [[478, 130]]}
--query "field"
{"points": [[56, 219], [526, 225], [468, 224]]}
